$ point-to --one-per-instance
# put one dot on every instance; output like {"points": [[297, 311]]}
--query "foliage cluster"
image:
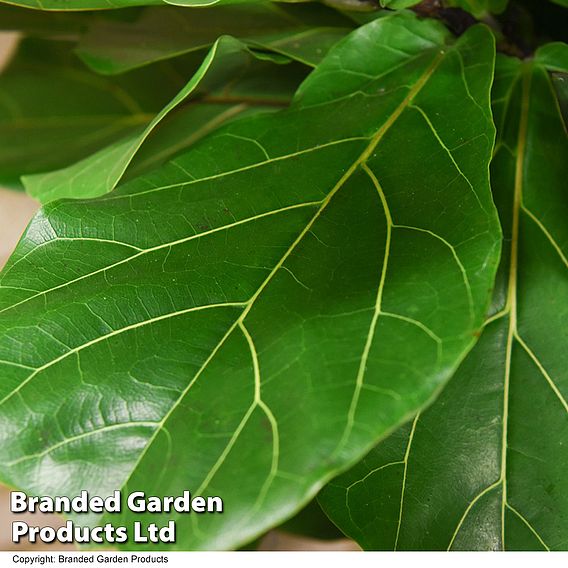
{"points": [[290, 250]]}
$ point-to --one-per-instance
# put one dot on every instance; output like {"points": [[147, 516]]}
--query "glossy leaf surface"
{"points": [[250, 319], [485, 467]]}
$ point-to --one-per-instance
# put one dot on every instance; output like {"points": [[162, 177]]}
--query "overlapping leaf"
{"points": [[312, 522], [476, 7], [302, 31], [79, 5], [223, 88], [398, 4], [480, 7], [53, 111], [485, 467], [560, 81], [207, 3], [251, 318], [252, 87], [35, 22]]}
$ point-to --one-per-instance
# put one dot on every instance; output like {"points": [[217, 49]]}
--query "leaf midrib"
{"points": [[240, 321]]}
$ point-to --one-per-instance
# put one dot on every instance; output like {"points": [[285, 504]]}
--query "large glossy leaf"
{"points": [[160, 33], [35, 22], [222, 89], [53, 111], [480, 7], [398, 4], [250, 319], [485, 467], [79, 5]]}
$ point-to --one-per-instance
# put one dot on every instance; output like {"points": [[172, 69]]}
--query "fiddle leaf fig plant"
{"points": [[288, 251]]}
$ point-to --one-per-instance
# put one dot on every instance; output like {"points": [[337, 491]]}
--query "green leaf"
{"points": [[101, 172], [307, 47], [560, 81], [79, 5], [256, 86], [553, 56], [54, 111], [398, 4], [480, 8], [207, 3], [484, 467], [250, 319], [561, 2], [111, 47], [66, 24], [34, 22], [312, 522]]}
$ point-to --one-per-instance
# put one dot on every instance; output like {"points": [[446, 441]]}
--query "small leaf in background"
{"points": [[79, 5], [398, 4], [207, 3], [480, 8], [268, 305], [217, 80], [312, 522], [54, 111], [484, 468], [560, 81], [111, 47]]}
